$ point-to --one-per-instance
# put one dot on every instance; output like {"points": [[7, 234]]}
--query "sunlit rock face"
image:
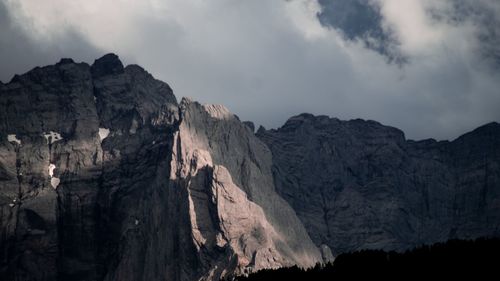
{"points": [[361, 185], [104, 176], [239, 222]]}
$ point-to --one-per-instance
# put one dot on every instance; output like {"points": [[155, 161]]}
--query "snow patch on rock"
{"points": [[52, 167], [103, 133], [52, 137], [13, 138], [55, 182]]}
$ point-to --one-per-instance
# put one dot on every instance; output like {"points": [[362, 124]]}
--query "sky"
{"points": [[430, 68]]}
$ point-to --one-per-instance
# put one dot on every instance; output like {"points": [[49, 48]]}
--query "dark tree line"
{"points": [[465, 259]]}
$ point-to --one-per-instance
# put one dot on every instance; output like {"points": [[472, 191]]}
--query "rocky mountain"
{"points": [[104, 175], [361, 185]]}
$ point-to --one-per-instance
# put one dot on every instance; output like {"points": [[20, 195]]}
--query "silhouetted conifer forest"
{"points": [[465, 259]]}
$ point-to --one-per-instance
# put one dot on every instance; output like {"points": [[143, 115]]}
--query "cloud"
{"points": [[23, 47], [268, 60]]}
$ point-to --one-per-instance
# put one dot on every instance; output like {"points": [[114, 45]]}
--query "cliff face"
{"points": [[104, 176], [238, 221], [82, 191], [360, 185]]}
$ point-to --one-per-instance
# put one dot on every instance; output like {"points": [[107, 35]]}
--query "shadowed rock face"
{"points": [[104, 176], [102, 220], [358, 184]]}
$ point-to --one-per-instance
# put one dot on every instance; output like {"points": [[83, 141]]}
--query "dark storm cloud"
{"points": [[268, 60], [19, 51], [356, 18], [361, 20]]}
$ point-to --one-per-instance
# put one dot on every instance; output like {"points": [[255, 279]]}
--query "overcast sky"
{"points": [[430, 68]]}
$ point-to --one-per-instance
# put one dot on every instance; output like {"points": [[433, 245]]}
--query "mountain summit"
{"points": [[104, 175]]}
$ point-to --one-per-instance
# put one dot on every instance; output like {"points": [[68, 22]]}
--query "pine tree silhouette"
{"points": [[475, 259]]}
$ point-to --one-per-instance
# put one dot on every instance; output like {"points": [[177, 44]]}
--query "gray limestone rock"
{"points": [[104, 176], [361, 185], [250, 125], [70, 195], [239, 222]]}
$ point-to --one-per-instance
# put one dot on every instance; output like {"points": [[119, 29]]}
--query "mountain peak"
{"points": [[66, 61], [492, 128], [489, 126], [107, 65]]}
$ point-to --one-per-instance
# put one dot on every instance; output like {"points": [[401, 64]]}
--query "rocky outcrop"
{"points": [[104, 176], [361, 185], [75, 201], [239, 223]]}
